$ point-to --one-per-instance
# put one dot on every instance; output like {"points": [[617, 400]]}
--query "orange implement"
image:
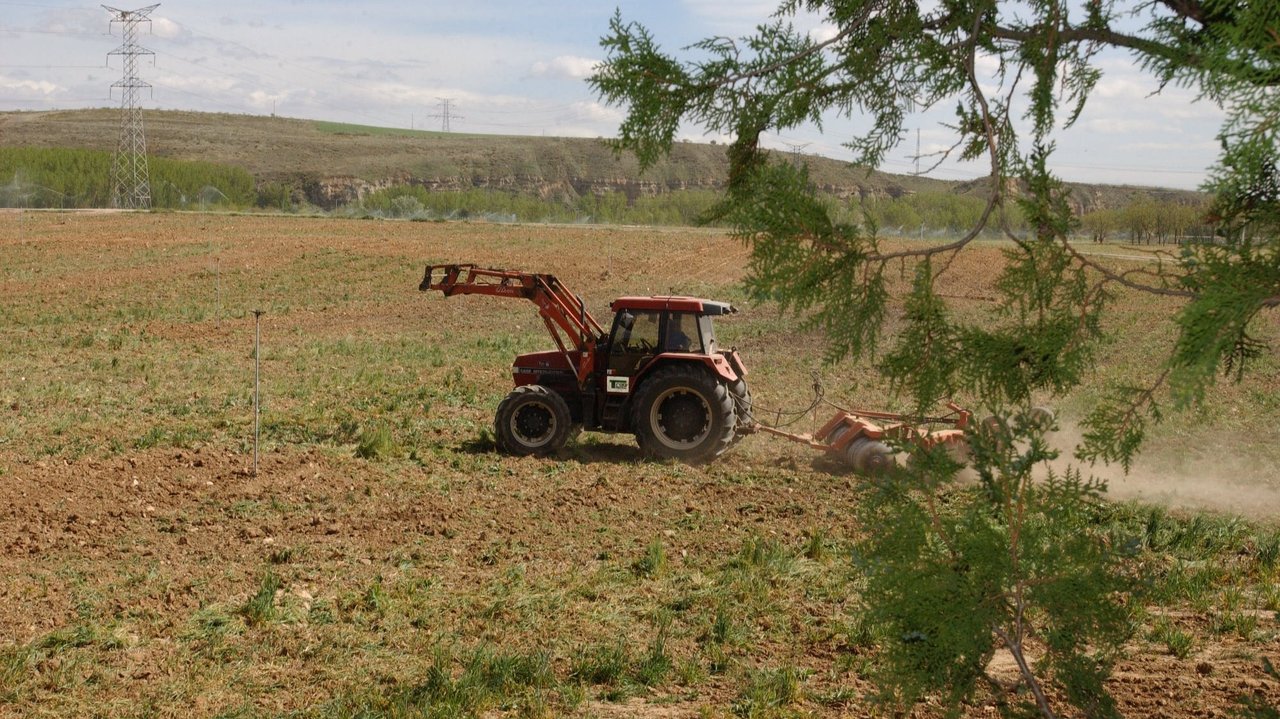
{"points": [[860, 437]]}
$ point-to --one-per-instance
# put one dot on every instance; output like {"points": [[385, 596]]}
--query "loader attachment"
{"points": [[575, 331]]}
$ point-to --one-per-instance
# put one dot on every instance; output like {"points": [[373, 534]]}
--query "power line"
{"points": [[71, 33]]}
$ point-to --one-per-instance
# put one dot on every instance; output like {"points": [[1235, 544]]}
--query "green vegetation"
{"points": [[655, 639], [682, 208], [1148, 222], [934, 211], [261, 608], [73, 178], [344, 128]]}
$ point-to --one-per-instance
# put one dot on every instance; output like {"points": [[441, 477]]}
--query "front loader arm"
{"points": [[574, 330]]}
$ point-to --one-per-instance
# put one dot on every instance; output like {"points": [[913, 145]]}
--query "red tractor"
{"points": [[657, 373]]}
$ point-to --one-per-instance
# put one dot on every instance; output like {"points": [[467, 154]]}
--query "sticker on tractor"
{"points": [[618, 385]]}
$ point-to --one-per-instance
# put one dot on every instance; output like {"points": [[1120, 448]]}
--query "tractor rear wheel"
{"points": [[683, 412], [869, 457], [741, 395], [532, 420]]}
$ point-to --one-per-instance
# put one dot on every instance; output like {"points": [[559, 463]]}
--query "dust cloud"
{"points": [[1215, 478]]}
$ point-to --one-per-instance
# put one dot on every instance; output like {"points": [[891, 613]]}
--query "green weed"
{"points": [[483, 680], [815, 546], [652, 563], [600, 664], [723, 631], [654, 666], [1267, 553], [375, 598], [377, 442], [1179, 643], [766, 555], [768, 692], [261, 608]]}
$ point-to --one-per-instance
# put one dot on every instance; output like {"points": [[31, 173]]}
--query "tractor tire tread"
{"points": [[713, 390]]}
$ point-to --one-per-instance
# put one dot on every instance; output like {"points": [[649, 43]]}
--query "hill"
{"points": [[333, 164]]}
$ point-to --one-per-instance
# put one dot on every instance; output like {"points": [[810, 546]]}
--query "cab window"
{"points": [[708, 333], [635, 339], [638, 333], [682, 333]]}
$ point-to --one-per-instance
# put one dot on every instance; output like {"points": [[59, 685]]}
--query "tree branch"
{"points": [[1122, 278], [1015, 648], [1104, 36], [997, 184]]}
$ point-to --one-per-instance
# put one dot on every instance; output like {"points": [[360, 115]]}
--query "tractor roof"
{"points": [[675, 304]]}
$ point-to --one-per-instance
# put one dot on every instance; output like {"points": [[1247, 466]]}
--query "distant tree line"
{"points": [[685, 207], [930, 212], [75, 178], [1143, 221], [1149, 221]]}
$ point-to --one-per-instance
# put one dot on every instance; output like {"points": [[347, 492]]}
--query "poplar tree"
{"points": [[951, 574]]}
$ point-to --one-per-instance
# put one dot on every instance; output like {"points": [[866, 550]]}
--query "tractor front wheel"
{"points": [[532, 420], [683, 412]]}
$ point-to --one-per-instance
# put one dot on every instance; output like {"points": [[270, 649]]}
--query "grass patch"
{"points": [[1179, 643], [601, 664], [469, 685], [652, 563], [261, 607], [377, 442], [769, 693]]}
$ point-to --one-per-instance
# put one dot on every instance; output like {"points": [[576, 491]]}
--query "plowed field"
{"points": [[384, 556]]}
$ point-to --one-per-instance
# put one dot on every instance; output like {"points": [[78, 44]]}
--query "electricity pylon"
{"points": [[130, 175]]}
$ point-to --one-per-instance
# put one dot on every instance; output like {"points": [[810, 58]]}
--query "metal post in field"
{"points": [[217, 291], [257, 362]]}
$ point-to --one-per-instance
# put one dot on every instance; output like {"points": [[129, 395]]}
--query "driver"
{"points": [[678, 339]]}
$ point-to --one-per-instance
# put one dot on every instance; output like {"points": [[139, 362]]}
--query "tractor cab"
{"points": [[646, 328]]}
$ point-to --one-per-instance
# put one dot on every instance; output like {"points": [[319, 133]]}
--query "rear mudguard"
{"points": [[718, 364]]}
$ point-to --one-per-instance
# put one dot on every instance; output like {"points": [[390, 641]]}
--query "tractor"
{"points": [[657, 373]]}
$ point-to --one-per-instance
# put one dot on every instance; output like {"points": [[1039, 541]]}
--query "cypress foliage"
{"points": [[953, 574]]}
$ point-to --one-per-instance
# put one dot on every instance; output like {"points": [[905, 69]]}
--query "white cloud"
{"points": [[732, 17], [266, 101], [76, 22], [33, 87], [596, 112], [168, 29], [823, 32], [570, 67], [196, 83], [1129, 87], [1177, 149]]}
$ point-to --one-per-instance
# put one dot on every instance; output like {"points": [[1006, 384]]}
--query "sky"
{"points": [[512, 68]]}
